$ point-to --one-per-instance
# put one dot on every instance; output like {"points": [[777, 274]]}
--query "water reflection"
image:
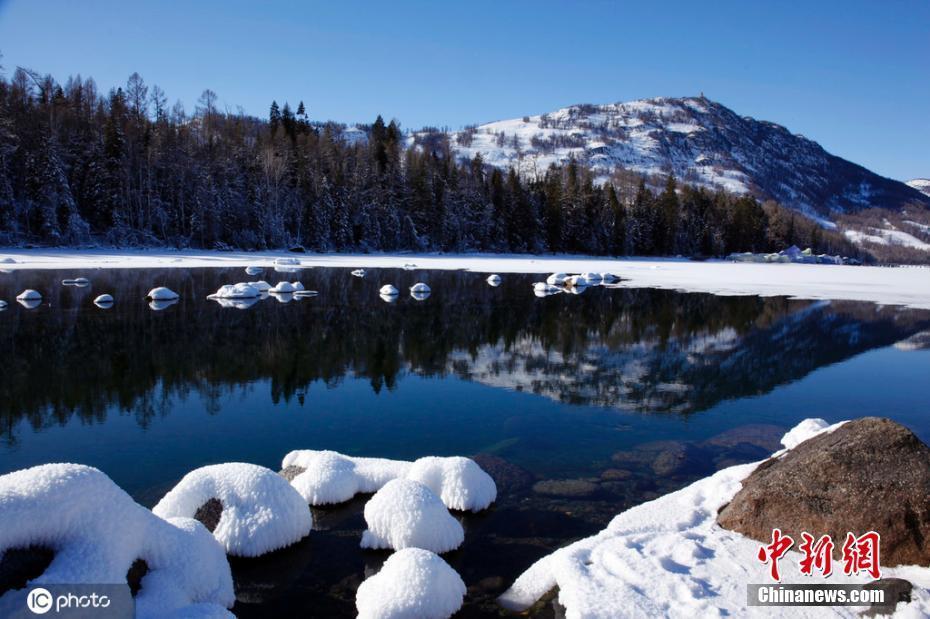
{"points": [[644, 350]]}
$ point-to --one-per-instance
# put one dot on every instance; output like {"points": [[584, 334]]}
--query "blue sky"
{"points": [[852, 75]]}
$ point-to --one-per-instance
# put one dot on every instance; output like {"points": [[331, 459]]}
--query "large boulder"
{"points": [[868, 474]]}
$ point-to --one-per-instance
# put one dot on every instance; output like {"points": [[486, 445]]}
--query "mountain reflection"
{"points": [[639, 349]]}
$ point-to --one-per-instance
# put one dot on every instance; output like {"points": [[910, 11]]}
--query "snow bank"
{"points": [[459, 482], [282, 288], [261, 511], [331, 477], [104, 300], [97, 531], [388, 290], [412, 584], [668, 557], [240, 290], [494, 280], [407, 514], [29, 295], [162, 294]]}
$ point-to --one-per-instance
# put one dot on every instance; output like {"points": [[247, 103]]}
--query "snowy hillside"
{"points": [[920, 184], [700, 141]]}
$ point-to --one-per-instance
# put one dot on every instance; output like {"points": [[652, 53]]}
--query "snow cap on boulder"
{"points": [[283, 288], [162, 294], [261, 512], [458, 481], [388, 290], [494, 280], [29, 295], [412, 584], [404, 514], [97, 532]]}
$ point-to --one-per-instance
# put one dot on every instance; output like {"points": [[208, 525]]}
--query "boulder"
{"points": [[870, 474]]}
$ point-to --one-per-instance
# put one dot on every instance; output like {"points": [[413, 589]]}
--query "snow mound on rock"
{"points": [[805, 430], [29, 295], [420, 287], [557, 279], [253, 270], [494, 280], [359, 272], [261, 511], [670, 558], [407, 514], [104, 299], [162, 294], [261, 285], [331, 477], [388, 290], [97, 531], [459, 482], [412, 584], [283, 288], [240, 290]]}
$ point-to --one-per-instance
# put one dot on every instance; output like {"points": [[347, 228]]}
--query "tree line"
{"points": [[128, 169]]}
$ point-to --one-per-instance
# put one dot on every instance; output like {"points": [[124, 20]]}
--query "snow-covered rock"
{"points": [[592, 279], [494, 280], [328, 477], [253, 270], [104, 300], [261, 511], [412, 584], [97, 531], [459, 482], [29, 295], [407, 514], [358, 273], [576, 281], [282, 288], [298, 286], [261, 285], [420, 287], [609, 278], [389, 298], [557, 279], [162, 294], [542, 289], [240, 290], [388, 290], [668, 557]]}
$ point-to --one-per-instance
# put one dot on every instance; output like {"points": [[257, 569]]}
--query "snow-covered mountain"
{"points": [[702, 142], [920, 184]]}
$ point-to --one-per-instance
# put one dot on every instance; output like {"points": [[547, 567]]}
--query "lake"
{"points": [[580, 406]]}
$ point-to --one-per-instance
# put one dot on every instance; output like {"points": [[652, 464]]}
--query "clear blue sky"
{"points": [[853, 75]]}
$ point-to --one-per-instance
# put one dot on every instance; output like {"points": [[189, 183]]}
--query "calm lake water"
{"points": [[580, 406]]}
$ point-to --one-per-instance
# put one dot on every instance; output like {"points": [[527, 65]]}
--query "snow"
{"points": [[908, 286], [298, 287], [158, 306], [3, 305], [253, 270], [886, 236], [241, 304], [592, 279], [420, 287], [261, 511], [162, 294], [304, 293], [920, 184], [412, 584], [669, 558], [97, 531], [407, 514], [104, 299], [282, 288], [241, 290], [331, 477], [388, 290], [388, 298], [80, 282], [261, 285], [557, 279], [459, 482], [494, 280], [544, 289], [29, 295], [358, 273], [286, 262]]}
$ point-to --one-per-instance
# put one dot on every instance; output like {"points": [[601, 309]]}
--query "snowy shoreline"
{"points": [[907, 286]]}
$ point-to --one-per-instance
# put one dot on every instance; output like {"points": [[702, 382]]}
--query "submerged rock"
{"points": [[871, 474], [508, 476], [570, 488]]}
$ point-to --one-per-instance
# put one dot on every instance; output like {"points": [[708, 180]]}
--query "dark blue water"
{"points": [[626, 394]]}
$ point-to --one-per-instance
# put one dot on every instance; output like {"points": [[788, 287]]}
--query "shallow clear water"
{"points": [[627, 394]]}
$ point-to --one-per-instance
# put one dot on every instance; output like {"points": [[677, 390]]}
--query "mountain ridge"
{"points": [[700, 141]]}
